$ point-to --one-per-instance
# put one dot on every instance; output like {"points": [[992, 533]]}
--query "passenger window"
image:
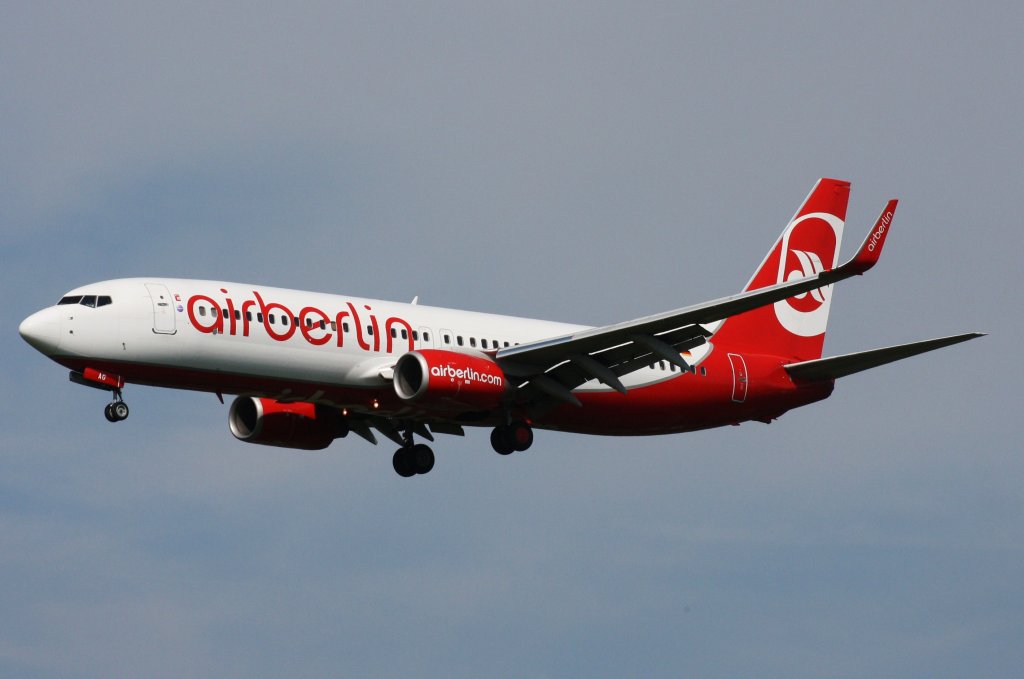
{"points": [[248, 316], [458, 339], [405, 334], [323, 325], [225, 314], [344, 326], [447, 339], [202, 311], [296, 319], [506, 344], [369, 330], [415, 335], [703, 371], [89, 301], [309, 322], [483, 343], [426, 337], [259, 316], [284, 321], [394, 334], [273, 319], [103, 300], [238, 315]]}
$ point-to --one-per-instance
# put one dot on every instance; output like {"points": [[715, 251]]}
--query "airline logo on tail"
{"points": [[810, 245], [809, 265]]}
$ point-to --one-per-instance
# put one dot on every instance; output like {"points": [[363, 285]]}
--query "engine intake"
{"points": [[305, 426], [449, 380]]}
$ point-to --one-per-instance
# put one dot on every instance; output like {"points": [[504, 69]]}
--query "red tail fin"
{"points": [[794, 327]]}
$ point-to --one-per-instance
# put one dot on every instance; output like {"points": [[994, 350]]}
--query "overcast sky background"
{"points": [[570, 161]]}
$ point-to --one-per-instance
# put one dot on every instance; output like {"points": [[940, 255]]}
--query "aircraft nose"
{"points": [[41, 330]]}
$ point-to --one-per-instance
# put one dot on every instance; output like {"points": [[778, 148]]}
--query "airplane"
{"points": [[307, 368]]}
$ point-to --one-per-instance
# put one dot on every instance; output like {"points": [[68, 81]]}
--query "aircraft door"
{"points": [[739, 378], [163, 308]]}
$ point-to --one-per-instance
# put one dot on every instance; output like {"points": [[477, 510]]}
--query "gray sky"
{"points": [[578, 162]]}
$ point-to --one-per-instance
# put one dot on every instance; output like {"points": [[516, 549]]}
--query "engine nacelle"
{"points": [[288, 425], [449, 380]]}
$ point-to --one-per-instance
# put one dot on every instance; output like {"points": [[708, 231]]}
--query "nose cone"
{"points": [[42, 330]]}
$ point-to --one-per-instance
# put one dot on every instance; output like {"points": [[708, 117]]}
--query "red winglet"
{"points": [[871, 248]]}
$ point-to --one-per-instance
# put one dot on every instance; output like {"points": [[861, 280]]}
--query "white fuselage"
{"points": [[240, 329]]}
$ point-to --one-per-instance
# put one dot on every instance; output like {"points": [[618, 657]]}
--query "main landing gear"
{"points": [[117, 409], [513, 437], [417, 458], [412, 458]]}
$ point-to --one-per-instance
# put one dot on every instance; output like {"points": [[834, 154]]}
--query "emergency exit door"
{"points": [[739, 378]]}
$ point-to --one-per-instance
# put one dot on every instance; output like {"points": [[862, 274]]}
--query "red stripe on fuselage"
{"points": [[689, 402], [685, 402]]}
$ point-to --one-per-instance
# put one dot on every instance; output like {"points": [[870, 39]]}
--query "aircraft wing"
{"points": [[557, 365]]}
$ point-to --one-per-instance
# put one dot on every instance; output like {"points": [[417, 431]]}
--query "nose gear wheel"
{"points": [[116, 410]]}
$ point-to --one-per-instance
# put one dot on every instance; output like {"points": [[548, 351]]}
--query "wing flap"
{"points": [[835, 367], [608, 365]]}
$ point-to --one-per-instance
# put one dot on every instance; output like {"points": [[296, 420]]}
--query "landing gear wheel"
{"points": [[119, 409], [403, 463], [502, 441], [422, 458], [108, 412], [521, 435]]}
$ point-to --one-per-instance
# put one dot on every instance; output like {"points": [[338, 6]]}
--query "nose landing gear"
{"points": [[116, 410]]}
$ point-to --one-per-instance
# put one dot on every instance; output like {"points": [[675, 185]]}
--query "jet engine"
{"points": [[289, 425], [449, 380]]}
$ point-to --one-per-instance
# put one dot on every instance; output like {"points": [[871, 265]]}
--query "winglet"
{"points": [[871, 248]]}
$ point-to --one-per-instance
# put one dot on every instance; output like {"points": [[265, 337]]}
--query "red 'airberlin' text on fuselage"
{"points": [[315, 326]]}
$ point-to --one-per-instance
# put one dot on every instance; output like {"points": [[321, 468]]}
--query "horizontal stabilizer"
{"points": [[840, 366]]}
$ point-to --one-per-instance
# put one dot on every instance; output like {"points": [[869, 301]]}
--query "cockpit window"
{"points": [[87, 300]]}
